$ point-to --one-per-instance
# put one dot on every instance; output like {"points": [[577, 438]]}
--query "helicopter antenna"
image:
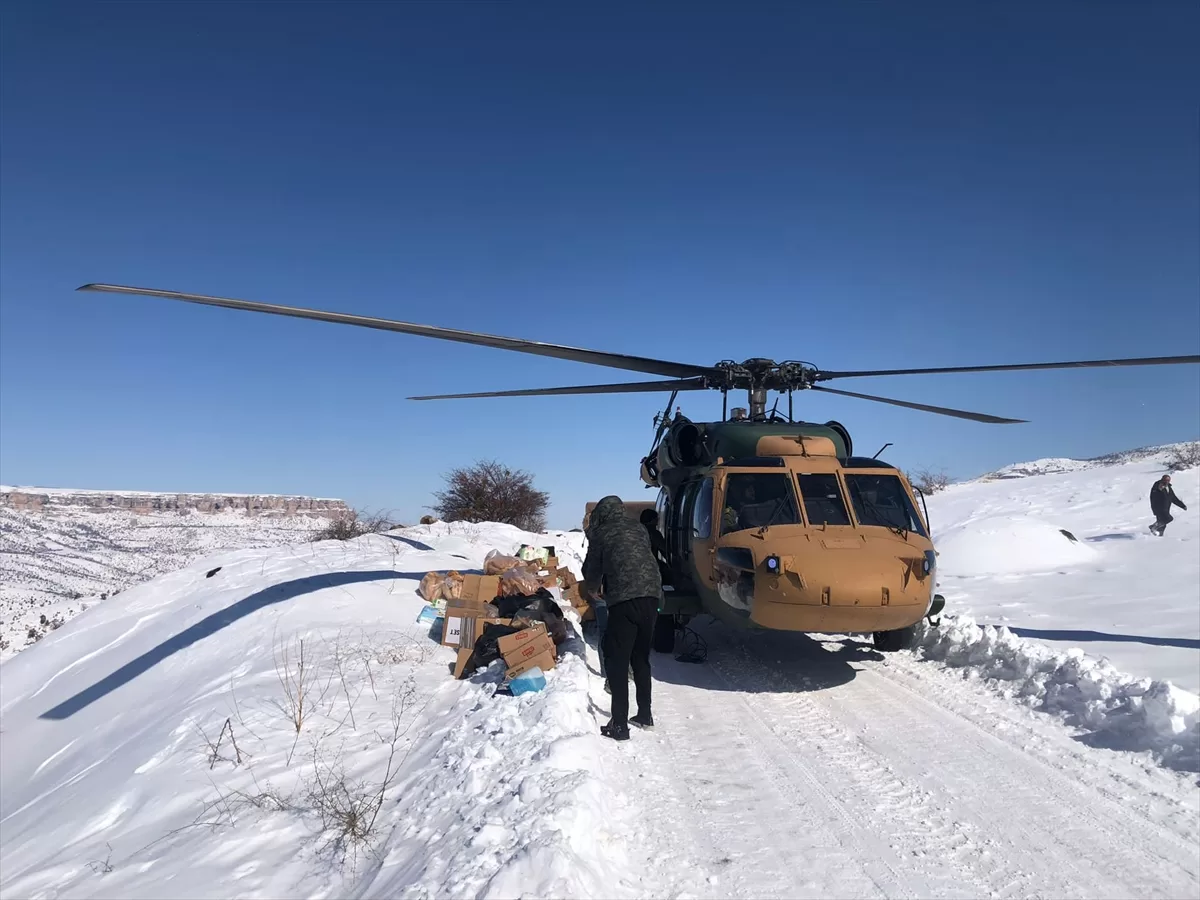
{"points": [[790, 417], [881, 449], [725, 406], [773, 408]]}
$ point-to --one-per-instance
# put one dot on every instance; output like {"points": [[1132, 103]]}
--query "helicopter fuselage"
{"points": [[792, 535]]}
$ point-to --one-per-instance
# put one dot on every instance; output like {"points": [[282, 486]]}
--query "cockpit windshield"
{"points": [[880, 499], [757, 499]]}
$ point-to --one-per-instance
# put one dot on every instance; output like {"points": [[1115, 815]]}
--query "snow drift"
{"points": [[1118, 711], [999, 545], [284, 727]]}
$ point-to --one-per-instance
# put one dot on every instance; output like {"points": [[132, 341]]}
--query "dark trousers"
{"points": [[626, 645], [1162, 520]]}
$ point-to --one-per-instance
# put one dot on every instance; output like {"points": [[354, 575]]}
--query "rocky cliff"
{"points": [[273, 505]]}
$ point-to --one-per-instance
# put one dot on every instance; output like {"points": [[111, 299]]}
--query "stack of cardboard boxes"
{"points": [[527, 648], [472, 609], [465, 619]]}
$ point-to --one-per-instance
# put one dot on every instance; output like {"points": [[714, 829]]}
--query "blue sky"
{"points": [[855, 185]]}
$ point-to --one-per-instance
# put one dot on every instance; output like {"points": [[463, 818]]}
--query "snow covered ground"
{"points": [[149, 747], [234, 735], [1117, 592], [56, 562]]}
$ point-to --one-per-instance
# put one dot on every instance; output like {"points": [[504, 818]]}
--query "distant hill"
{"points": [[64, 549], [1058, 465]]}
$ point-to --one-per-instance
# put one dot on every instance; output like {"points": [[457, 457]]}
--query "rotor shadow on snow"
{"points": [[277, 593], [1115, 536], [415, 544], [1067, 634]]}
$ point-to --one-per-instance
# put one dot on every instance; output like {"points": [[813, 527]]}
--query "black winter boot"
{"points": [[616, 732], [642, 721]]}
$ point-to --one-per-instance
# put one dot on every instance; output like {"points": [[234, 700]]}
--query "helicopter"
{"points": [[769, 522]]}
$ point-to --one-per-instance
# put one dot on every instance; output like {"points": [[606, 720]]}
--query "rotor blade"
{"points": [[941, 410], [631, 387], [595, 357], [1080, 364]]}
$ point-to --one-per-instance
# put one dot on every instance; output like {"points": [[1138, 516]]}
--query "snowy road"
{"points": [[834, 771]]}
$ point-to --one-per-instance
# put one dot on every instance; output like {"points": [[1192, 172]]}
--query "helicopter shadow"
{"points": [[777, 662]]}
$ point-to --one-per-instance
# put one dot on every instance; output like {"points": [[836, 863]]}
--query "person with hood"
{"points": [[1162, 496], [620, 561]]}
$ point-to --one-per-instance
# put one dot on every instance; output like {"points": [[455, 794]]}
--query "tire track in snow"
{"points": [[1130, 785], [994, 802], [1130, 858], [908, 830], [722, 809]]}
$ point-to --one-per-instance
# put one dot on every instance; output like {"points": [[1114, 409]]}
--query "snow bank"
{"points": [[1007, 544], [155, 745], [1117, 710]]}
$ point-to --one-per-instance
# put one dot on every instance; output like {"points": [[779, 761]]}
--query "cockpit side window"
{"points": [[702, 514], [880, 499], [823, 503], [758, 499]]}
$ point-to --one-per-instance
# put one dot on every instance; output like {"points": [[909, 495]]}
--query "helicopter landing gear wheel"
{"points": [[664, 634], [891, 641]]}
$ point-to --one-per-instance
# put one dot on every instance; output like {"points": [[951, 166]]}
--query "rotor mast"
{"points": [[758, 403]]}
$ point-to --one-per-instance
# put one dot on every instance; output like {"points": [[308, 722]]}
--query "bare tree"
{"points": [[491, 492], [927, 481], [1184, 456], [348, 526]]}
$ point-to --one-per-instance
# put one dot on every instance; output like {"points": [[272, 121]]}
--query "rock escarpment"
{"points": [[44, 500]]}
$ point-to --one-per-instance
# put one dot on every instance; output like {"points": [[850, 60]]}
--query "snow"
{"points": [[94, 492], [1115, 709], [1001, 545], [1119, 593], [57, 562], [110, 787], [149, 746]]}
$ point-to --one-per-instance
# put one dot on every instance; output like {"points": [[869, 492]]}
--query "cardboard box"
{"points": [[478, 589], [544, 661], [464, 626], [512, 641], [518, 653], [567, 579], [460, 664]]}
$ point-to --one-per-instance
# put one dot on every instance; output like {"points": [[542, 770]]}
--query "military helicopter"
{"points": [[769, 522]]}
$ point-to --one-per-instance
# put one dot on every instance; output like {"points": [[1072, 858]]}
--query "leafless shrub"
{"points": [[1183, 456], [102, 868], [301, 684], [349, 526], [214, 747], [491, 492], [348, 809], [928, 481]]}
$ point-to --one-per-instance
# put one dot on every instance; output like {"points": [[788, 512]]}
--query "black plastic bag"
{"points": [[487, 648]]}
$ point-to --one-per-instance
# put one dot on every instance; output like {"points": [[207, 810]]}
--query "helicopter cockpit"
{"points": [[757, 499], [880, 499]]}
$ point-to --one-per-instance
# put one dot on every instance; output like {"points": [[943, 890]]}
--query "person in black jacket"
{"points": [[620, 558], [1162, 496]]}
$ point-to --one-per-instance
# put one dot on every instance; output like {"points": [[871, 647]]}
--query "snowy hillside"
{"points": [[150, 748], [56, 561], [1117, 591]]}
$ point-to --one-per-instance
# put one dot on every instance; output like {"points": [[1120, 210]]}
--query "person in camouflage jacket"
{"points": [[620, 567]]}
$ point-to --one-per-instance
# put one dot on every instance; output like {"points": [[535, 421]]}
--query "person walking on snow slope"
{"points": [[619, 556], [1162, 496]]}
